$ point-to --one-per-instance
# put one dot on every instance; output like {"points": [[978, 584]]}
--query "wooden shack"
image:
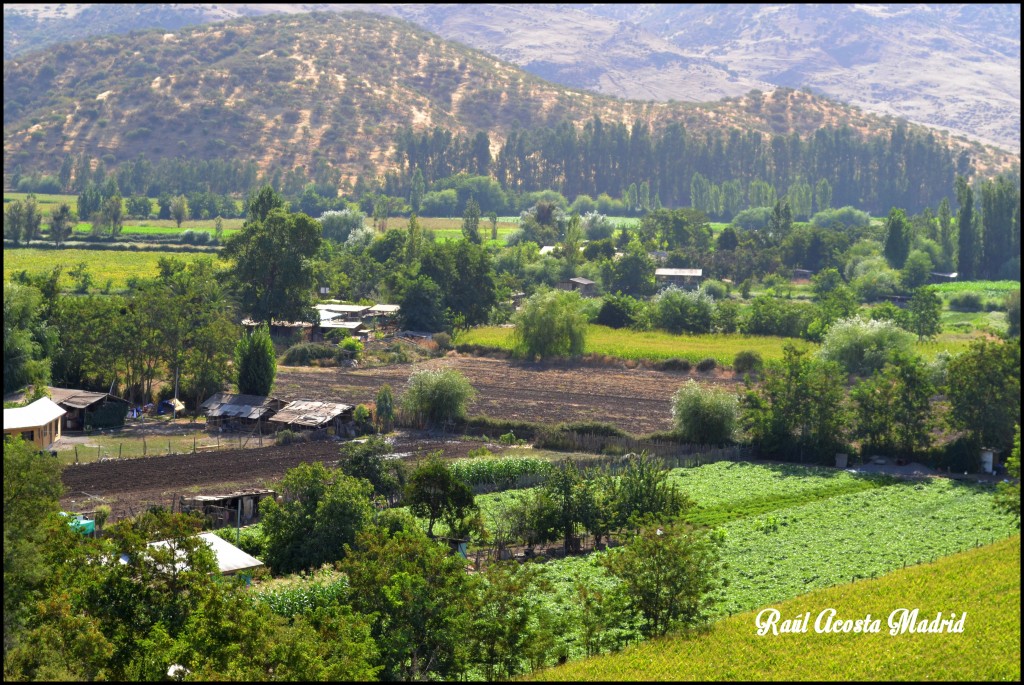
{"points": [[243, 412], [684, 278], [313, 415]]}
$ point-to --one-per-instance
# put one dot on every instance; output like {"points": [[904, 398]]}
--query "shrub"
{"points": [[304, 353], [966, 302], [438, 396], [676, 310], [716, 290], [863, 347], [551, 323], [747, 361], [363, 419], [673, 364], [705, 365], [704, 415], [289, 437], [443, 340], [352, 347]]}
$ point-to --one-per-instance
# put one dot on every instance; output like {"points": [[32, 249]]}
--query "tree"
{"points": [[439, 396], [925, 310], [863, 347], [946, 240], [417, 189], [703, 415], [385, 409], [780, 223], [822, 195], [984, 392], [471, 222], [26, 340], [798, 409], [435, 493], [273, 265], [968, 243], [260, 202], [370, 460], [551, 323], [669, 577], [32, 218], [893, 408], [421, 305], [420, 598], [493, 218], [14, 221], [339, 225], [505, 615], [256, 362], [897, 238], [676, 310], [322, 512], [916, 269], [1013, 314], [61, 223], [1008, 494]]}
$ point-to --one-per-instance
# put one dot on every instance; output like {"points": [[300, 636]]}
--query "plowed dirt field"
{"points": [[636, 400]]}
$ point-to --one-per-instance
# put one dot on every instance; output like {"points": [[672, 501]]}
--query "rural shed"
{"points": [[236, 508], [38, 423], [241, 410], [682, 277], [584, 286], [312, 414], [98, 409], [230, 559], [344, 312]]}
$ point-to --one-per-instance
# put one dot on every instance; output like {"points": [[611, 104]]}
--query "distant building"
{"points": [[584, 286], [38, 423], [233, 509], [239, 411], [83, 407], [230, 559], [684, 278], [936, 277], [312, 414]]}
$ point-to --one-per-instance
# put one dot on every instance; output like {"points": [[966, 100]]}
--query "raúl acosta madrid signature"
{"points": [[900, 621]]}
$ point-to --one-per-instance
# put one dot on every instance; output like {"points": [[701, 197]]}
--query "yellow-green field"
{"points": [[984, 583], [657, 345], [45, 202], [114, 265]]}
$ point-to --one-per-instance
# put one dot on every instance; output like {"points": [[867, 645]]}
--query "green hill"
{"points": [[984, 583]]}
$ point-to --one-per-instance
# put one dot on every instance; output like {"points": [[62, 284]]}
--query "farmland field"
{"points": [[114, 265], [984, 583], [636, 400], [657, 345]]}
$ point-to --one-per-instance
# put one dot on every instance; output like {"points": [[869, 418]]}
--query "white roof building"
{"points": [[39, 413]]}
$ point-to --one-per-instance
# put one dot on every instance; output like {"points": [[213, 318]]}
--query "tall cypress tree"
{"points": [[967, 242], [897, 238], [256, 362]]}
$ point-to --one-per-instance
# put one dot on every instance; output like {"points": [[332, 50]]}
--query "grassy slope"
{"points": [[984, 582]]}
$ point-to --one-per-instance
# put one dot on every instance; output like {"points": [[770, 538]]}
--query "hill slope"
{"points": [[955, 66], [290, 90], [984, 583]]}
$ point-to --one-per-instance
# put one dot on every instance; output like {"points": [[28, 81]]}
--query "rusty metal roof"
{"points": [[310, 413], [240, 406]]}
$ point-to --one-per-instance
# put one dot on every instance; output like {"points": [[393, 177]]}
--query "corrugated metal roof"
{"points": [[239, 406], [230, 559], [351, 325], [679, 272], [581, 280], [385, 309], [343, 308], [39, 413], [310, 413]]}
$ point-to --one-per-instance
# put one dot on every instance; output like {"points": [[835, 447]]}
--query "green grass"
{"points": [[658, 345], [655, 345], [996, 290], [113, 445], [44, 201], [164, 227], [116, 265], [984, 583]]}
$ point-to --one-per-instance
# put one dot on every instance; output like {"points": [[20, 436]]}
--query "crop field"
{"points": [[45, 201], [832, 540], [658, 345], [116, 266], [995, 290], [636, 400], [163, 227], [984, 583], [130, 484]]}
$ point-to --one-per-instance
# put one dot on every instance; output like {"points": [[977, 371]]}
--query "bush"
{"points": [[863, 347], [443, 340], [551, 323], [705, 365], [352, 348], [747, 361], [716, 290], [673, 364], [289, 437], [966, 302], [676, 310], [704, 415], [438, 396], [304, 353]]}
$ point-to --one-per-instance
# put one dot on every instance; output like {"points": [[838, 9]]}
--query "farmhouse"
{"points": [[243, 411], [311, 414], [236, 508], [383, 315], [38, 423], [584, 286], [684, 278], [343, 312]]}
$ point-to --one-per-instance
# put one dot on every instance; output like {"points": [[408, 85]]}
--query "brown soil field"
{"points": [[128, 486], [636, 400]]}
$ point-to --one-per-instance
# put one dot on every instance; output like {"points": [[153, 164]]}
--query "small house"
{"points": [[313, 415], [935, 277], [233, 509], [584, 286], [239, 411], [38, 423], [84, 408], [343, 312], [684, 278]]}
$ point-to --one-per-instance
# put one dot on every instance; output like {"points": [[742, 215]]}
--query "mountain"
{"points": [[951, 66], [290, 90]]}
